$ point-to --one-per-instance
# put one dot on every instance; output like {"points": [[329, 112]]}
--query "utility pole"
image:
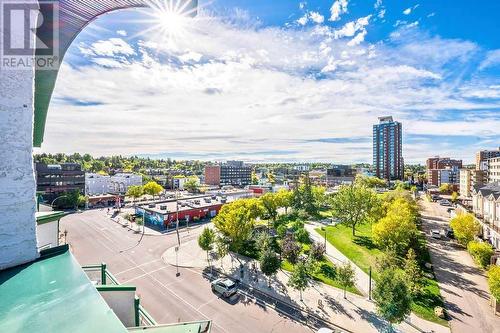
{"points": [[177, 215], [370, 284]]}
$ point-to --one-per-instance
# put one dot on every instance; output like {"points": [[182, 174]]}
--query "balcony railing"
{"points": [[100, 276]]}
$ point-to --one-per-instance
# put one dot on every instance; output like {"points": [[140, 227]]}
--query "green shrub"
{"points": [[481, 252], [302, 236]]}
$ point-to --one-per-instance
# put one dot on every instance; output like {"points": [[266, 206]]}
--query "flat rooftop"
{"points": [[169, 206]]}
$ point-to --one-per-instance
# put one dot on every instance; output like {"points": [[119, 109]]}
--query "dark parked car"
{"points": [[448, 232]]}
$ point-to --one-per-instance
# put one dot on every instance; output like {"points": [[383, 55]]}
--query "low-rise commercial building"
{"points": [[234, 173], [97, 184], [164, 214], [120, 182], [340, 174], [53, 180]]}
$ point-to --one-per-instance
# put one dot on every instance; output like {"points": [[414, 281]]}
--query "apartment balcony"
{"points": [[54, 294]]}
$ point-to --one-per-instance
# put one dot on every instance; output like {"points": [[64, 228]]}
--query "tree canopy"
{"points": [[392, 297], [465, 227], [236, 220], [355, 204]]}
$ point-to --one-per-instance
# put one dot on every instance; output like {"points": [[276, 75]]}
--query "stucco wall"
{"points": [[47, 234], [17, 181], [122, 304]]}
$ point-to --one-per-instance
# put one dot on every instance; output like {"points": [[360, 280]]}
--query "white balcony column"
{"points": [[17, 181]]}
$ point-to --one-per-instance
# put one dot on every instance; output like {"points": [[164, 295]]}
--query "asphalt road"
{"points": [[463, 286], [94, 238]]}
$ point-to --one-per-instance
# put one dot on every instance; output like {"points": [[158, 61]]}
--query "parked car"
{"points": [[444, 203], [435, 197], [225, 287], [448, 232], [436, 233], [324, 330]]}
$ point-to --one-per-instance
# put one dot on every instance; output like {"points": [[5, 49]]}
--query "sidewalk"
{"points": [[356, 314], [362, 279]]}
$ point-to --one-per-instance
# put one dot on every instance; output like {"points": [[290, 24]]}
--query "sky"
{"points": [[282, 80]]}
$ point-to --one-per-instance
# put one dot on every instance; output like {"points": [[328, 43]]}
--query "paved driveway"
{"points": [[463, 286]]}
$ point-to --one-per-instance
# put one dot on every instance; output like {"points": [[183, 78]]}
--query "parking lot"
{"points": [[94, 238]]}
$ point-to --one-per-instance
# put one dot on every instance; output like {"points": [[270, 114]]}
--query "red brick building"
{"points": [[212, 175]]}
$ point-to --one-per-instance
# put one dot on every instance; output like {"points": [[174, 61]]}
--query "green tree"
{"points": [[255, 179], [454, 197], [445, 188], [271, 178], [222, 249], [284, 198], [236, 220], [481, 252], [465, 227], [206, 241], [370, 181], [152, 188], [494, 281], [397, 230], [299, 279], [192, 184], [290, 249], [135, 191], [354, 205], [269, 264], [270, 204], [413, 273], [346, 276], [392, 297]]}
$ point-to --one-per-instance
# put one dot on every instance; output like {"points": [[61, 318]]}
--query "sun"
{"points": [[171, 22]]}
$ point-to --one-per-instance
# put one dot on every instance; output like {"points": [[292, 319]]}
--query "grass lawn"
{"points": [[361, 250], [325, 274]]}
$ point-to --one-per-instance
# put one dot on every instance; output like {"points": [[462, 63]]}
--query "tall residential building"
{"points": [[230, 173], [483, 156], [470, 179], [387, 149], [442, 170], [494, 170]]}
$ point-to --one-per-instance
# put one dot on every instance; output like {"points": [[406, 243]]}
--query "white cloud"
{"points": [[311, 16], [121, 32], [377, 4], [303, 20], [407, 11], [381, 13], [338, 8], [492, 59], [110, 47], [224, 89], [316, 17]]}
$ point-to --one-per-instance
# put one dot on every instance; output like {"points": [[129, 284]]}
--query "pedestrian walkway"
{"points": [[362, 279], [356, 313]]}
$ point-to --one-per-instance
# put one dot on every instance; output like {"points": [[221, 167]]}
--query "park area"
{"points": [[361, 250], [378, 232]]}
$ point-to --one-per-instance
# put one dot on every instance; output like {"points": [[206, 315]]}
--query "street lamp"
{"points": [[324, 230], [52, 203]]}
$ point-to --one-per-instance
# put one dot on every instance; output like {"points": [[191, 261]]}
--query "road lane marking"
{"points": [[132, 268], [158, 281]]}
